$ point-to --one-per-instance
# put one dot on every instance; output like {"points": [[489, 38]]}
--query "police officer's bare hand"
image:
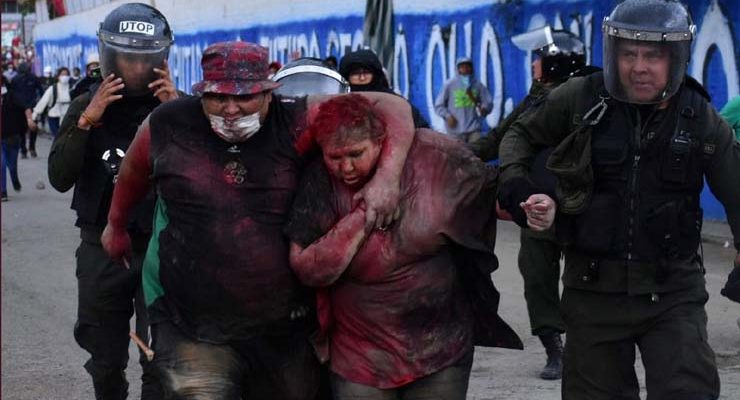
{"points": [[117, 243], [451, 121], [106, 94], [163, 88], [540, 210]]}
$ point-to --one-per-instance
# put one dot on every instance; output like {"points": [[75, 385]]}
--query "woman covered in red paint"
{"points": [[402, 306]]}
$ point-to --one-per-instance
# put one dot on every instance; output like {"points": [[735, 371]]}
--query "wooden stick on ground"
{"points": [[146, 349]]}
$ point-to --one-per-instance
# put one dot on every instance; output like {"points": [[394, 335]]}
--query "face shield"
{"points": [[305, 80], [644, 66], [132, 59], [534, 40]]}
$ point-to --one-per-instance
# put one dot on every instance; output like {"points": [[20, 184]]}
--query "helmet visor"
{"points": [[534, 39], [308, 80], [643, 71], [134, 65]]}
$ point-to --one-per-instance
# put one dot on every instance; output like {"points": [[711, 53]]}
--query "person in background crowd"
{"points": [[75, 77], [27, 89], [9, 71], [731, 112], [462, 103], [14, 126], [92, 76], [229, 318], [55, 102], [557, 56], [364, 72], [48, 78], [400, 325], [331, 62], [94, 136], [633, 147], [274, 67]]}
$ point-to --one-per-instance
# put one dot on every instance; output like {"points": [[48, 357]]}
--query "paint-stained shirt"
{"points": [[400, 311], [221, 270]]}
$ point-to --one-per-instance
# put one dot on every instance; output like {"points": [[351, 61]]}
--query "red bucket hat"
{"points": [[236, 68]]}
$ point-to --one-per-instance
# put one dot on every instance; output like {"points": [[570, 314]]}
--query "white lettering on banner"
{"points": [[57, 56], [401, 82], [185, 65], [333, 43], [144, 28], [422, 75], [489, 48], [719, 37], [436, 45], [286, 48]]}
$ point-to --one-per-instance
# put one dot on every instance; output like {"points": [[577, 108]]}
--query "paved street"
{"points": [[40, 359]]}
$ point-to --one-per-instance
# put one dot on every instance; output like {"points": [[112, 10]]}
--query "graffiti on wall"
{"points": [[427, 46]]}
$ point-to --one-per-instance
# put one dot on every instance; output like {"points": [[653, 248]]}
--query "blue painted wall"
{"points": [[428, 42]]}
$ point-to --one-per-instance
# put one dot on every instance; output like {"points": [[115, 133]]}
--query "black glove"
{"points": [[732, 286]]}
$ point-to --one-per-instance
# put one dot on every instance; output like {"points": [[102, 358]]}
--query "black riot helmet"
{"points": [[647, 45], [561, 52], [132, 40], [309, 76]]}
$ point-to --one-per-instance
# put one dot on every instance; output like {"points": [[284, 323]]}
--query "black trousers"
{"points": [[605, 329], [108, 296], [539, 263], [32, 135]]}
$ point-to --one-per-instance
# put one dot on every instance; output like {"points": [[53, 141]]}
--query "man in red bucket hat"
{"points": [[228, 316]]}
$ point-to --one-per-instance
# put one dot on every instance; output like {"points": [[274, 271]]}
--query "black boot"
{"points": [[554, 349]]}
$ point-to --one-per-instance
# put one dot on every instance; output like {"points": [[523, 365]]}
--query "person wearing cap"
{"points": [[95, 134], [462, 103], [364, 72], [92, 76], [228, 315], [633, 147]]}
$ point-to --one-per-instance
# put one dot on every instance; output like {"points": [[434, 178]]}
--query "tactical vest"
{"points": [[104, 152], [647, 178]]}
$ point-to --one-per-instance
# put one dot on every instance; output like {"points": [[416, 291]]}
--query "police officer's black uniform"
{"points": [[630, 174], [109, 293]]}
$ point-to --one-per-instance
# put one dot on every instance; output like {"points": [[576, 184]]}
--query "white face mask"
{"points": [[237, 130], [64, 79]]}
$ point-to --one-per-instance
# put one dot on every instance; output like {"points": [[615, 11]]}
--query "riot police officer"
{"points": [[133, 43], [632, 148], [558, 55]]}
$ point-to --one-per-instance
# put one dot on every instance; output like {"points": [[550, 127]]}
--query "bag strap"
{"points": [[53, 96]]}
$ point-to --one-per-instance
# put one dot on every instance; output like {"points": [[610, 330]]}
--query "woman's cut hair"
{"points": [[350, 117]]}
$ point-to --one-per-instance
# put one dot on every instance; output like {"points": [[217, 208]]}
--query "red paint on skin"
{"points": [[344, 112], [399, 312]]}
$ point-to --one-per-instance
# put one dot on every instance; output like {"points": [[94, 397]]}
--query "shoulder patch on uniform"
{"points": [[709, 148]]}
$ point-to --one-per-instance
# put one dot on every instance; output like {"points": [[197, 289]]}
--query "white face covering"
{"points": [[64, 79], [237, 130]]}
